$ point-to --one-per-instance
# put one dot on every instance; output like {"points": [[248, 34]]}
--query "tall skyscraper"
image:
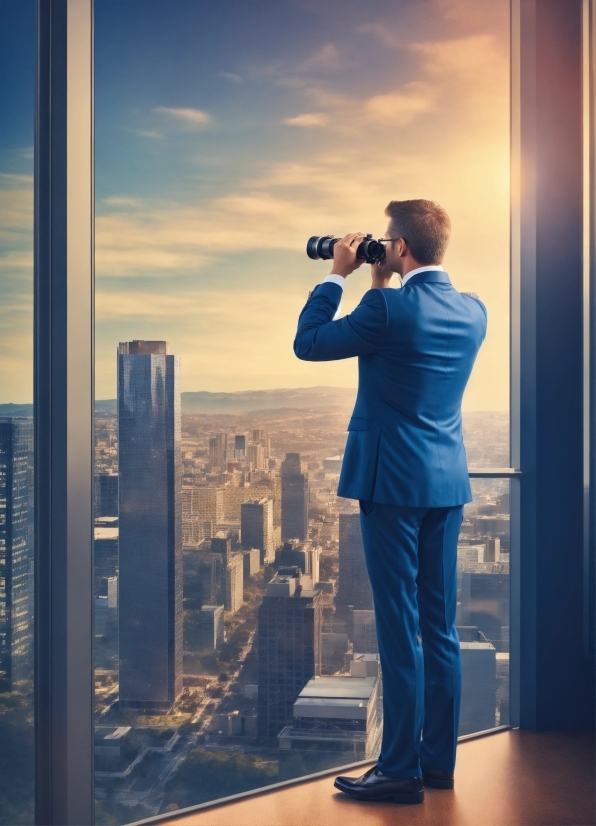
{"points": [[289, 631], [256, 456], [256, 520], [294, 498], [218, 446], [150, 508], [240, 445], [16, 550], [354, 585], [234, 596]]}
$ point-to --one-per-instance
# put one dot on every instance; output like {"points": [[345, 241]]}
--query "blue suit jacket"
{"points": [[416, 347]]}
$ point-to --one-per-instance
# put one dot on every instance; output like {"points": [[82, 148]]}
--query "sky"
{"points": [[227, 134]]}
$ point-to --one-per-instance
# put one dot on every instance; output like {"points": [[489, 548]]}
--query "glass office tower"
{"points": [[150, 496]]}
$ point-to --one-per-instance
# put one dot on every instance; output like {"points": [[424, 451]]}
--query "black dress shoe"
{"points": [[438, 779], [375, 786]]}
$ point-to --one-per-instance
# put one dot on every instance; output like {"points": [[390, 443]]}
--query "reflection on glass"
{"points": [[17, 78], [235, 633]]}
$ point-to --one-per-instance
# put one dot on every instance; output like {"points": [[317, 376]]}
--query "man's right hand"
{"points": [[344, 254]]}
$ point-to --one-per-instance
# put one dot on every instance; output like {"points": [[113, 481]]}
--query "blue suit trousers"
{"points": [[411, 556]]}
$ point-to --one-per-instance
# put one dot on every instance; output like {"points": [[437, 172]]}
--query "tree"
{"points": [[209, 775]]}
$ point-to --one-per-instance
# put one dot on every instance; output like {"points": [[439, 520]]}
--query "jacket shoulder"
{"points": [[476, 299]]}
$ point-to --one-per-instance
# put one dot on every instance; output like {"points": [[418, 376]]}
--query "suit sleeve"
{"points": [[361, 333]]}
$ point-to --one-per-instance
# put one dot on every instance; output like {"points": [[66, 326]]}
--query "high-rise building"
{"points": [[210, 578], [294, 498], [211, 628], [256, 517], [492, 551], [256, 456], [240, 445], [16, 550], [222, 544], [234, 596], [106, 494], [260, 437], [252, 562], [289, 631], [150, 514], [354, 585], [218, 446]]}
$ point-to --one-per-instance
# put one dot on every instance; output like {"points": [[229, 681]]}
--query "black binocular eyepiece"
{"points": [[320, 247]]}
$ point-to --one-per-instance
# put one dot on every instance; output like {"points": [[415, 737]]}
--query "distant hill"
{"points": [[16, 410], [301, 398], [244, 401]]}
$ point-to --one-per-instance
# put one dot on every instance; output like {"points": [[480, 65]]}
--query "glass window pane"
{"points": [[226, 136], [17, 85]]}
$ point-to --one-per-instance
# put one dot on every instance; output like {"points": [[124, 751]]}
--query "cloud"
{"points": [[386, 35], [16, 260], [187, 117], [16, 212], [308, 120], [123, 201], [326, 57], [231, 76], [150, 133], [349, 115], [11, 179], [400, 107]]}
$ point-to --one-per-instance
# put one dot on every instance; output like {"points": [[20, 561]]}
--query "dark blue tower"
{"points": [[150, 522]]}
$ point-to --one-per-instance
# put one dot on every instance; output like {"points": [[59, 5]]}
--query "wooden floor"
{"points": [[513, 778]]}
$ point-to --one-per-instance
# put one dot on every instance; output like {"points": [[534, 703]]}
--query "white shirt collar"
{"points": [[408, 275]]}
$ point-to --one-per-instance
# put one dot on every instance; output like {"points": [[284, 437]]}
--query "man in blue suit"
{"points": [[405, 462]]}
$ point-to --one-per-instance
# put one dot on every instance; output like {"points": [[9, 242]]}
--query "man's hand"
{"points": [[344, 254], [381, 275]]}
